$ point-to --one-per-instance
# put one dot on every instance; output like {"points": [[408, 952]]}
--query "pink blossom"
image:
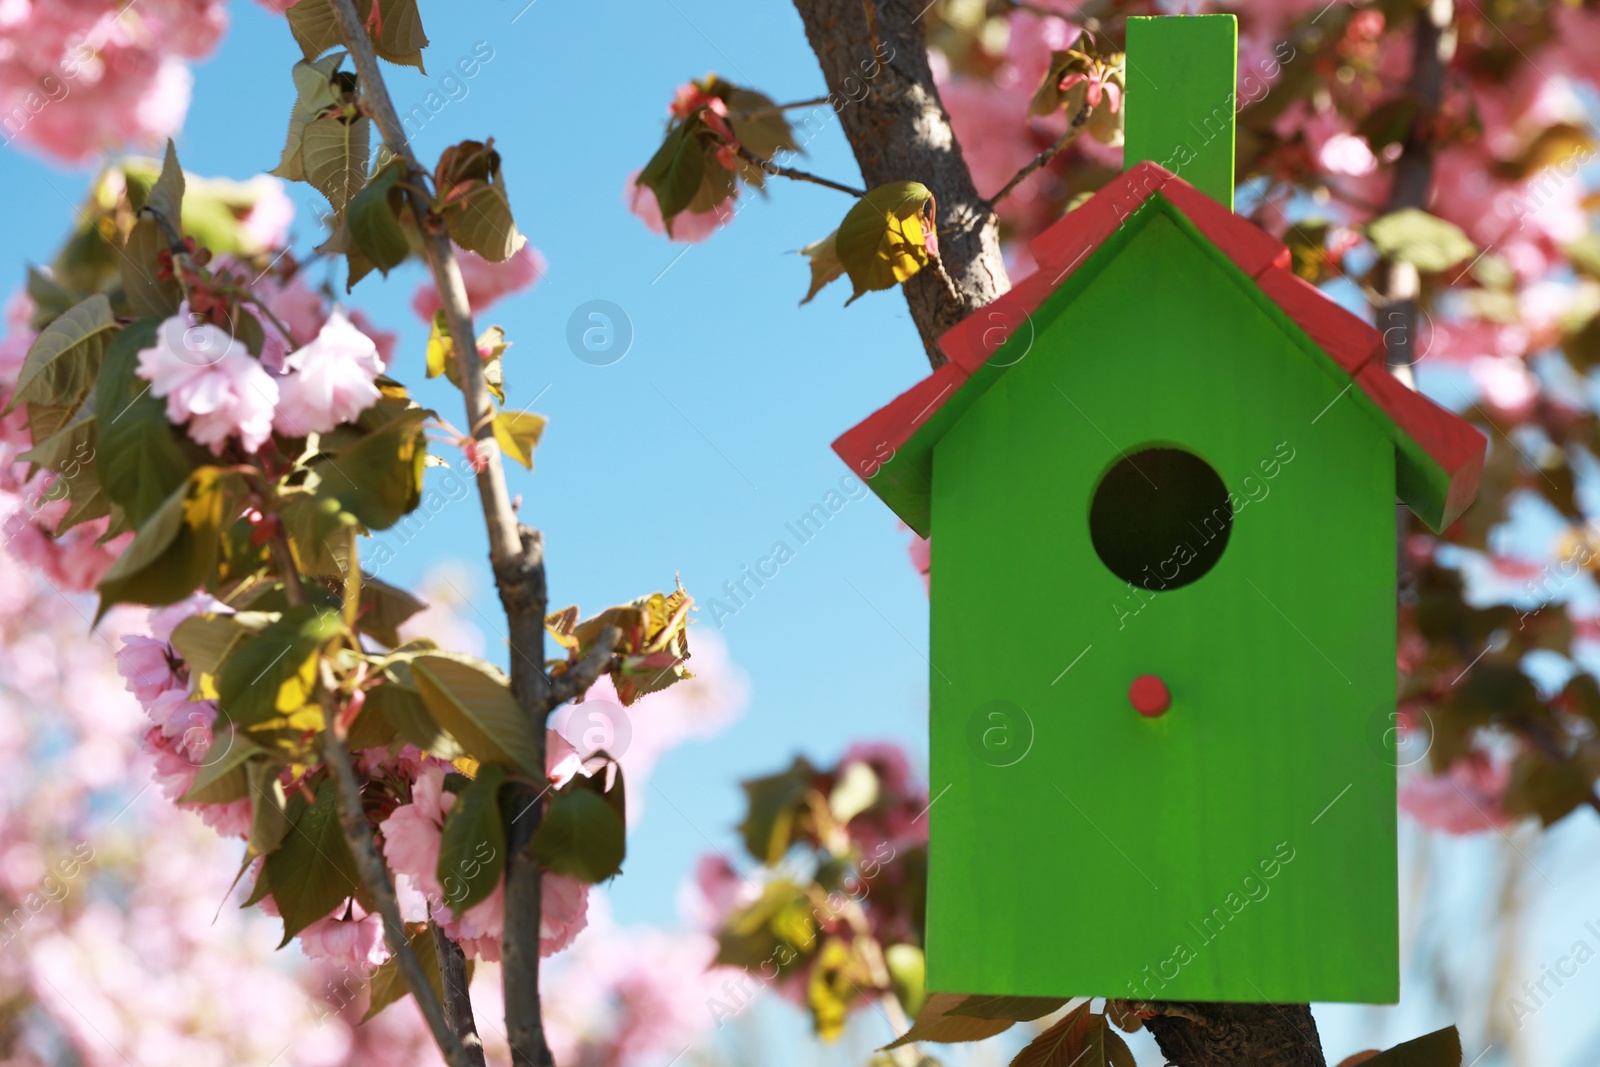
{"points": [[329, 381], [689, 226], [921, 552], [146, 665], [486, 282], [210, 382], [1467, 798], [1505, 383], [74, 562], [564, 911], [18, 339], [95, 76], [356, 941]]}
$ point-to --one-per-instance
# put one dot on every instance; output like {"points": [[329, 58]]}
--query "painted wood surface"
{"points": [[1181, 98], [1240, 846]]}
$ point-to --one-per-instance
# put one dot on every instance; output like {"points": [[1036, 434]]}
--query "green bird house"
{"points": [[1160, 479]]}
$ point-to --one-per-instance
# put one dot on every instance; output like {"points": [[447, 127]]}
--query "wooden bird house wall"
{"points": [[1194, 844]]}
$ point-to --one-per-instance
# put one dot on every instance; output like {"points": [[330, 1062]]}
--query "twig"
{"points": [[457, 1001], [1074, 128], [277, 323], [775, 109], [516, 554], [1432, 40], [577, 679], [502, 522], [795, 175], [175, 245]]}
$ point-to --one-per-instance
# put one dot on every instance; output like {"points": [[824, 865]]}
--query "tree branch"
{"points": [[577, 679], [1433, 43], [457, 1002], [516, 554], [1227, 1035], [770, 167], [1074, 128], [899, 131]]}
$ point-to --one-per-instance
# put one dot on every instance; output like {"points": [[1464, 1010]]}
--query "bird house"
{"points": [[1160, 479]]}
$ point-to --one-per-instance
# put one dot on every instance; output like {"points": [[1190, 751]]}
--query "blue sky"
{"points": [[692, 452]]}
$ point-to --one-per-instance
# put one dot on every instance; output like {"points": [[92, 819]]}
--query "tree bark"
{"points": [[883, 91], [899, 131], [1237, 1035], [457, 1001], [1433, 43]]}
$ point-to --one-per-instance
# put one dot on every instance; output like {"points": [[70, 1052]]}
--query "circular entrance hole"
{"points": [[1160, 518]]}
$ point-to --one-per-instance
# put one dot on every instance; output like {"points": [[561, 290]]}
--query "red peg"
{"points": [[1149, 696]]}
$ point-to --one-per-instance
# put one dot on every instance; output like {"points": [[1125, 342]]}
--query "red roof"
{"points": [[1439, 455]]}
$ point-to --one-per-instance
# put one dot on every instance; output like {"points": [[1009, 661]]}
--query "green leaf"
{"points": [[825, 264], [518, 433], [441, 355], [64, 360], [374, 218], [379, 478], [315, 92], [582, 834], [50, 298], [384, 608], [270, 820], [274, 673], [166, 195], [205, 639], [174, 551], [69, 454], [676, 172], [884, 238], [138, 460], [1442, 1048], [372, 728], [775, 802], [401, 41], [312, 871], [473, 701], [472, 850], [440, 347], [221, 777], [310, 523], [140, 267], [908, 973], [1426, 241], [936, 1023], [334, 150], [401, 705], [482, 221], [765, 133]]}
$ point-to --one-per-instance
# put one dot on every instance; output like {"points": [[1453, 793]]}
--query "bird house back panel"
{"points": [[1233, 836]]}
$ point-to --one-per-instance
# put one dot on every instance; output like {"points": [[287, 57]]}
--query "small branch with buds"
{"points": [[770, 167], [1074, 128]]}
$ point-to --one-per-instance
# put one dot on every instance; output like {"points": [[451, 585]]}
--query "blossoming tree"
{"points": [[193, 429]]}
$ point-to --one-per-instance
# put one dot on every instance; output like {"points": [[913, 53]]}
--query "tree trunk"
{"points": [[899, 131], [883, 91], [1237, 1035]]}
